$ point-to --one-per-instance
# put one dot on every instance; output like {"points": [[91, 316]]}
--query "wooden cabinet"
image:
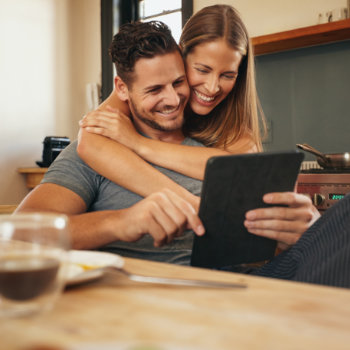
{"points": [[7, 209], [33, 175], [302, 37]]}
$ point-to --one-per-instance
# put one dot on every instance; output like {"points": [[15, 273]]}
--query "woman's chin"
{"points": [[201, 109]]}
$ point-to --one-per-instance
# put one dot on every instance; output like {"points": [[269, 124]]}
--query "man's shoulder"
{"points": [[70, 171], [70, 150], [70, 154]]}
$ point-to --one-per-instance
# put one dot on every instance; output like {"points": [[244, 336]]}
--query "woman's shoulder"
{"points": [[244, 144]]}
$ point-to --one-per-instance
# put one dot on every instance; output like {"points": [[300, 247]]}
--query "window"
{"points": [[174, 13], [169, 12]]}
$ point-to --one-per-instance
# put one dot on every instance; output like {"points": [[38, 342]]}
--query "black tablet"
{"points": [[233, 185]]}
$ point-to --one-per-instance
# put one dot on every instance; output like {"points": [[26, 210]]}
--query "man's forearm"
{"points": [[87, 229], [95, 229], [90, 230]]}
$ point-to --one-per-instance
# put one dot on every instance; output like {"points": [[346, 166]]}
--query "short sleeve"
{"points": [[70, 171]]}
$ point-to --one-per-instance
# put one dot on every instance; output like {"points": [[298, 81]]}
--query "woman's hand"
{"points": [[113, 124], [284, 224]]}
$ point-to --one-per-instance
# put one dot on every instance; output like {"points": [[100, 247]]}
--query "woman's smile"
{"points": [[202, 97]]}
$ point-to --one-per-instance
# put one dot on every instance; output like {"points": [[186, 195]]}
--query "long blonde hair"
{"points": [[237, 115]]}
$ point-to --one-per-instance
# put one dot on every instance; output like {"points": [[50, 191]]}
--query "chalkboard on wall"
{"points": [[305, 95]]}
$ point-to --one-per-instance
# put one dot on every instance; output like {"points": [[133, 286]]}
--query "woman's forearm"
{"points": [[124, 167], [187, 160], [184, 159]]}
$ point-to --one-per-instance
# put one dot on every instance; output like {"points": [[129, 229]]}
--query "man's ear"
{"points": [[121, 89]]}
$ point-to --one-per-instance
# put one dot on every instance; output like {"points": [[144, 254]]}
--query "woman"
{"points": [[222, 110]]}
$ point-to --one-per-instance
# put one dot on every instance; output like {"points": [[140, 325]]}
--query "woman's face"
{"points": [[212, 69]]}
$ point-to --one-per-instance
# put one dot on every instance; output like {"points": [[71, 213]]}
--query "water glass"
{"points": [[33, 250]]}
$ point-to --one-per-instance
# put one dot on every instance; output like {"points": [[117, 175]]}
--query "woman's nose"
{"points": [[212, 84]]}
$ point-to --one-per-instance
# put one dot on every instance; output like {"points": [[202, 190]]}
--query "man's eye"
{"points": [[178, 82], [153, 91]]}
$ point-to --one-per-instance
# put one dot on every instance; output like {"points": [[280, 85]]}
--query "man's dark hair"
{"points": [[139, 40]]}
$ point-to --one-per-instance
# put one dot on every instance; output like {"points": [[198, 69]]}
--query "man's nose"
{"points": [[212, 84], [171, 97]]}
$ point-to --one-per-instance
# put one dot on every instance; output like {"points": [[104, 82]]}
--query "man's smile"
{"points": [[169, 110]]}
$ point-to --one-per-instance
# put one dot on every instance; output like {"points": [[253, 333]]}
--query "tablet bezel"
{"points": [[233, 185]]}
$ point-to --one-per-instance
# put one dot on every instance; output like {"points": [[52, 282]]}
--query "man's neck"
{"points": [[176, 136]]}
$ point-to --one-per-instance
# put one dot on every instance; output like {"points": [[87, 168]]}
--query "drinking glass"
{"points": [[33, 251]]}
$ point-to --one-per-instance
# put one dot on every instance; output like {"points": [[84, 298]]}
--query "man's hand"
{"points": [[164, 215], [284, 224]]}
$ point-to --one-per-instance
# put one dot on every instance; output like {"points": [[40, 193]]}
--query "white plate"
{"points": [[86, 265]]}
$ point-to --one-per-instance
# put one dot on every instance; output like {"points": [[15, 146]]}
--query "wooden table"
{"points": [[33, 175], [269, 314]]}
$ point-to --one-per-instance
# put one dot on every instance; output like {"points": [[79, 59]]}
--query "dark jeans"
{"points": [[322, 254]]}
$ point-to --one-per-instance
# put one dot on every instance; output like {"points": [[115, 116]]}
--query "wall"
{"points": [[49, 50], [27, 87], [270, 16], [85, 55], [305, 96]]}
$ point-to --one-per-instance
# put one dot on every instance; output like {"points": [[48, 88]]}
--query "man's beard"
{"points": [[151, 123]]}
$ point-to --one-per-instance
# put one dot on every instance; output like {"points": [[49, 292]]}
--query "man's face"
{"points": [[158, 94]]}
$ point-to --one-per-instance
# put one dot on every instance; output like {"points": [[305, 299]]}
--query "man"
{"points": [[103, 214], [152, 80]]}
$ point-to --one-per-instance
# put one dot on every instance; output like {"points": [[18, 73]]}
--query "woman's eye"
{"points": [[201, 70], [230, 76]]}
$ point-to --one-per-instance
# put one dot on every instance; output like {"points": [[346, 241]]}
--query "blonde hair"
{"points": [[237, 115]]}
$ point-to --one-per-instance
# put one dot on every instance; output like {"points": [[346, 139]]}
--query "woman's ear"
{"points": [[121, 89]]}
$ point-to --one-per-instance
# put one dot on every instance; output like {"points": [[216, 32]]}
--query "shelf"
{"points": [[302, 37], [7, 209], [33, 175]]}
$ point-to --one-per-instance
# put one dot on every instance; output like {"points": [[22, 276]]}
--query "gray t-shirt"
{"points": [[99, 193]]}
